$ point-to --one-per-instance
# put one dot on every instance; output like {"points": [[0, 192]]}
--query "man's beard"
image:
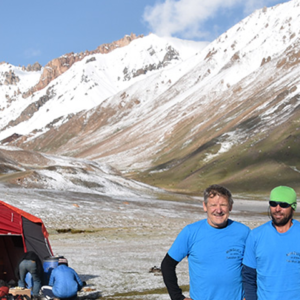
{"points": [[283, 221]]}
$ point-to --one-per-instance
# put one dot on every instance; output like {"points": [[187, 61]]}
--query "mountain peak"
{"points": [[60, 65]]}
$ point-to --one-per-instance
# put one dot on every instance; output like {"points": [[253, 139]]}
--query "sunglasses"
{"points": [[281, 204]]}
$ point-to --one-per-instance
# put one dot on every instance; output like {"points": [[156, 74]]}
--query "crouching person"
{"points": [[30, 263], [64, 282]]}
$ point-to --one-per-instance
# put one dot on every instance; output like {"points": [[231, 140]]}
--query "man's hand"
{"points": [[187, 299]]}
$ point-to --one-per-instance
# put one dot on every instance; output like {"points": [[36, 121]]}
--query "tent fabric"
{"points": [[10, 222], [35, 239], [8, 209], [20, 232]]}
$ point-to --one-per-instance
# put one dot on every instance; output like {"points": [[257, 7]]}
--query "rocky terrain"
{"points": [[113, 230], [113, 242]]}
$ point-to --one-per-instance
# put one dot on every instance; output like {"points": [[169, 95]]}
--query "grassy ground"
{"points": [[131, 295]]}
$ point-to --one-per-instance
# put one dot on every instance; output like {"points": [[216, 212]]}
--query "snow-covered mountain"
{"points": [[173, 113], [87, 84]]}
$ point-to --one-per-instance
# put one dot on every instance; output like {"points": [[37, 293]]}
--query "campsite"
{"points": [[113, 242], [20, 232], [106, 148]]}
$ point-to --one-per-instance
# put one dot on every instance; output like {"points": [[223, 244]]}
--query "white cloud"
{"points": [[186, 18]]}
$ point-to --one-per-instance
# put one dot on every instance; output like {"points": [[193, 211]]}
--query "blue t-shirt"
{"points": [[276, 258], [215, 259]]}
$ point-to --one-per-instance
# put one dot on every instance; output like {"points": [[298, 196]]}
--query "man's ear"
{"points": [[204, 206]]}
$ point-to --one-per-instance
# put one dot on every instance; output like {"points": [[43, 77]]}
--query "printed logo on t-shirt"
{"points": [[293, 257], [234, 253]]}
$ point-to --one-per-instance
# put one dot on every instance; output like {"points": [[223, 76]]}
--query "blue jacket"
{"points": [[65, 282]]}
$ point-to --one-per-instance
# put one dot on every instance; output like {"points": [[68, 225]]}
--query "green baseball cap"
{"points": [[284, 194]]}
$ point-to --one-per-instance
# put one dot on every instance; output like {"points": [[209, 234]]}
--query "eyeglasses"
{"points": [[281, 204]]}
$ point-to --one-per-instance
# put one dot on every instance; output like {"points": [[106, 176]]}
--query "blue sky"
{"points": [[41, 30]]}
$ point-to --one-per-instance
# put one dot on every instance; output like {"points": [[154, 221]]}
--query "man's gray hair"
{"points": [[216, 189]]}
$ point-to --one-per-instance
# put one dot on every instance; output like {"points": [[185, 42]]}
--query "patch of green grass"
{"points": [[250, 168], [127, 295]]}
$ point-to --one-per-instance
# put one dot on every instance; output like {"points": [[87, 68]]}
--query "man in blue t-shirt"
{"points": [[271, 265], [64, 282], [215, 249]]}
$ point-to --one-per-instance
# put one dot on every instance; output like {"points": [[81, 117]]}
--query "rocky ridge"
{"points": [[60, 65]]}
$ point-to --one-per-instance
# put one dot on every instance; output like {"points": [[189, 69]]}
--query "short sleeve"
{"points": [[180, 248], [250, 252]]}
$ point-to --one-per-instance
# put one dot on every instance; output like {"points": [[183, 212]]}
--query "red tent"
{"points": [[20, 232]]}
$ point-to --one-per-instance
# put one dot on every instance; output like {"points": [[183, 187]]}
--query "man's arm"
{"points": [[77, 278], [168, 267], [249, 283]]}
